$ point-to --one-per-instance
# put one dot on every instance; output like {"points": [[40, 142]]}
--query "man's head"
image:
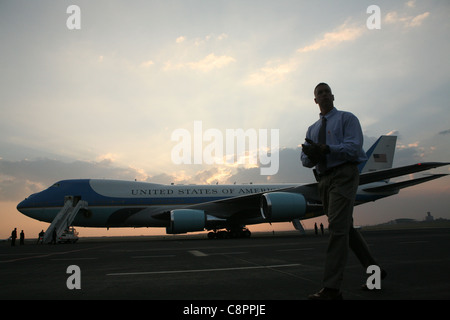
{"points": [[324, 97]]}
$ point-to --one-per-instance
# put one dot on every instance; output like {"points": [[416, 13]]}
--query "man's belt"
{"points": [[318, 175]]}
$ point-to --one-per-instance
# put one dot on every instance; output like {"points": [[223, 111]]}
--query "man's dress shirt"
{"points": [[344, 137]]}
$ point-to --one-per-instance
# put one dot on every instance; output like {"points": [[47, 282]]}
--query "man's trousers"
{"points": [[337, 190]]}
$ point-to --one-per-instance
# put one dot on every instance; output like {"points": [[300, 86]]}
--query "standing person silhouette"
{"points": [[334, 146], [13, 237]]}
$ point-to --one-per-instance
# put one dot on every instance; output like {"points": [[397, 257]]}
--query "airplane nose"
{"points": [[26, 203], [21, 205], [25, 207]]}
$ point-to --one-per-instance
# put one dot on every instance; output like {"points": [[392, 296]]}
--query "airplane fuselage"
{"points": [[115, 203]]}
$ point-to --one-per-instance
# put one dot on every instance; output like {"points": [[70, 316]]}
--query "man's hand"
{"points": [[315, 151]]}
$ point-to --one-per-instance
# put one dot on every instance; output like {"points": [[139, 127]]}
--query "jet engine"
{"points": [[282, 206], [186, 220]]}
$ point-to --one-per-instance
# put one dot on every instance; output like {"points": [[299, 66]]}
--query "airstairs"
{"points": [[65, 217]]}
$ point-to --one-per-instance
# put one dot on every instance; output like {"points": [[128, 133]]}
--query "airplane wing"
{"points": [[380, 175], [248, 206], [241, 207], [392, 187]]}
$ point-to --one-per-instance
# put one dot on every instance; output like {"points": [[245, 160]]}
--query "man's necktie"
{"points": [[322, 165]]}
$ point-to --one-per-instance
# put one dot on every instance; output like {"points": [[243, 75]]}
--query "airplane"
{"points": [[224, 210]]}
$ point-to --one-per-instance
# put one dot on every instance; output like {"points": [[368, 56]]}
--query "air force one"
{"points": [[225, 210]]}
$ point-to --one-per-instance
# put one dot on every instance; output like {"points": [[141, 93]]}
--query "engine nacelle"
{"points": [[186, 220], [282, 206]]}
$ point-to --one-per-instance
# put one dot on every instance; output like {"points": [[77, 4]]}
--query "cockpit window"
{"points": [[56, 185]]}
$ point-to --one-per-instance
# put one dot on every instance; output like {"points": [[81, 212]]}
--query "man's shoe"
{"points": [[326, 294]]}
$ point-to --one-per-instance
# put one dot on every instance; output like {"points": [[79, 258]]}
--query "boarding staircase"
{"points": [[65, 217]]}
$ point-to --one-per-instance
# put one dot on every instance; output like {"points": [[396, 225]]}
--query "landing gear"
{"points": [[229, 234]]}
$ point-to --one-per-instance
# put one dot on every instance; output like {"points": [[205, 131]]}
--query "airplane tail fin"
{"points": [[380, 155]]}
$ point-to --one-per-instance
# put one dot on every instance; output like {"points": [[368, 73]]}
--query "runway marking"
{"points": [[198, 253], [411, 242], [226, 253], [300, 249], [51, 254], [73, 259], [160, 256], [203, 270]]}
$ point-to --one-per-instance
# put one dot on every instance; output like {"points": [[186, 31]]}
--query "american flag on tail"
{"points": [[379, 157]]}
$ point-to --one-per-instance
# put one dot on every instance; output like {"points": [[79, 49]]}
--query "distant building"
{"points": [[429, 217]]}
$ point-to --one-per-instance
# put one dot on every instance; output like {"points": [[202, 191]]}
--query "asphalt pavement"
{"points": [[285, 266]]}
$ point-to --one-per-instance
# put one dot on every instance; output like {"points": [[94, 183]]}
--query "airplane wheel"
{"points": [[234, 234], [211, 235], [222, 235]]}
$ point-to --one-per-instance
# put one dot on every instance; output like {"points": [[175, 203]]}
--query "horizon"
{"points": [[96, 90]]}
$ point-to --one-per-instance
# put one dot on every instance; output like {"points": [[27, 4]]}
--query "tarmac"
{"points": [[284, 266]]}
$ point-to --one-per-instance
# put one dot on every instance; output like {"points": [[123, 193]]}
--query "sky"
{"points": [[103, 100]]}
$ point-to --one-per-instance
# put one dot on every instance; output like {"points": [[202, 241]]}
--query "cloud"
{"points": [[206, 64], [409, 153], [196, 54], [147, 64], [393, 133], [180, 39], [210, 175], [211, 62], [209, 38], [408, 21], [222, 36], [199, 41], [273, 72], [343, 33], [445, 132], [411, 4], [417, 20]]}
